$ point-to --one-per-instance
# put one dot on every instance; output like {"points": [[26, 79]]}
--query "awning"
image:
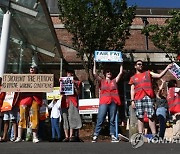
{"points": [[32, 34]]}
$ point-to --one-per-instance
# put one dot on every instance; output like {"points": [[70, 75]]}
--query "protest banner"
{"points": [[54, 94], [67, 86], [175, 70], [88, 106], [27, 83], [108, 56], [8, 101]]}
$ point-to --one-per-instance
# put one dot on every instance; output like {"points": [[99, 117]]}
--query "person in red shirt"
{"points": [[29, 104], [108, 102], [173, 98], [2, 96], [10, 116], [142, 94], [71, 118]]}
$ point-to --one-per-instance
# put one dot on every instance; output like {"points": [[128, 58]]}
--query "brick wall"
{"points": [[135, 42]]}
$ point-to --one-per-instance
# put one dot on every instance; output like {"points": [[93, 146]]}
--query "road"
{"points": [[87, 148]]}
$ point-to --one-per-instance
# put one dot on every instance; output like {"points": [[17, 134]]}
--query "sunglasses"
{"points": [[139, 64]]}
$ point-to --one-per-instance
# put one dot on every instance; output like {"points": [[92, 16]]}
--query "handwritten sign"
{"points": [[54, 94], [8, 101], [27, 83], [175, 70], [67, 86], [108, 56]]}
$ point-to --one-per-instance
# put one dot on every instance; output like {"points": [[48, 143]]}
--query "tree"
{"points": [[96, 25], [166, 37]]}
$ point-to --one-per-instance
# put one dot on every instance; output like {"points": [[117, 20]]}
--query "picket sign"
{"points": [[27, 83], [88, 106], [175, 70], [8, 101], [108, 56], [67, 85], [54, 94]]}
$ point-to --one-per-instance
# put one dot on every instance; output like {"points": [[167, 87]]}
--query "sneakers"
{"points": [[66, 139], [114, 139], [94, 139], [12, 139], [35, 140], [18, 139]]}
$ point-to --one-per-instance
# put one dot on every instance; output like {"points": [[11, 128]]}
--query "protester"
{"points": [[29, 108], [55, 116], [43, 115], [173, 99], [10, 117], [2, 96], [71, 118], [109, 101], [161, 109], [142, 94]]}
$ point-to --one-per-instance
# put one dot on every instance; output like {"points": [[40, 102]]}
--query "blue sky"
{"points": [[156, 3]]}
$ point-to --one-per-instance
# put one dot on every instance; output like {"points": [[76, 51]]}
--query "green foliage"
{"points": [[166, 37], [96, 25]]}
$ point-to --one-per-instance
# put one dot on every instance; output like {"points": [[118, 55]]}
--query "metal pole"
{"points": [[145, 21], [20, 60], [61, 63], [4, 44]]}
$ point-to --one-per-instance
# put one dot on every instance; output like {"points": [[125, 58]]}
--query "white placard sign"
{"points": [[88, 106], [108, 56], [175, 70], [67, 86]]}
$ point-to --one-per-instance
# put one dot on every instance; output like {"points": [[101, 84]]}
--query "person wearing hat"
{"points": [[29, 104]]}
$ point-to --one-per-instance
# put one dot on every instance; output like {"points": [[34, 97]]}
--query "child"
{"points": [[161, 111], [55, 116]]}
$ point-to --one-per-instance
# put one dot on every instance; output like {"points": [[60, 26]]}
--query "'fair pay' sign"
{"points": [[108, 56]]}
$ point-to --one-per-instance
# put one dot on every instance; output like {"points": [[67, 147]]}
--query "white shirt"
{"points": [[56, 109]]}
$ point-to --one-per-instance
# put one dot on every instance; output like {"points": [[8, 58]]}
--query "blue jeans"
{"points": [[111, 109], [55, 128]]}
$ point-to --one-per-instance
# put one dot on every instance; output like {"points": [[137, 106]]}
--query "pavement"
{"points": [[87, 148]]}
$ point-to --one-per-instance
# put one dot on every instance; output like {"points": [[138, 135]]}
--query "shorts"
{"points": [[144, 105], [11, 115], [71, 117]]}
